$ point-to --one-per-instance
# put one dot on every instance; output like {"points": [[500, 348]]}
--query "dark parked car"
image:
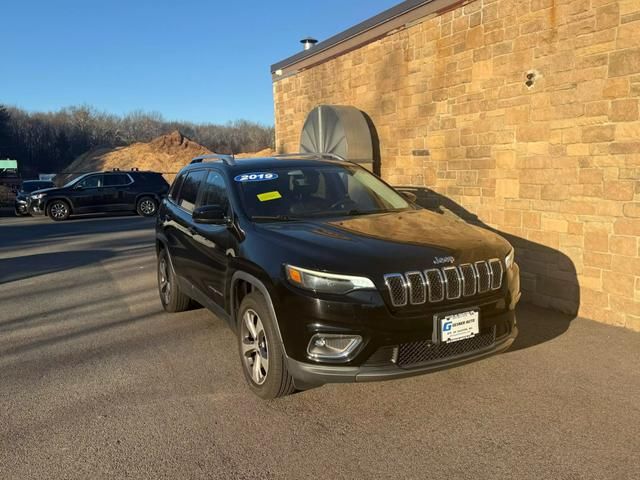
{"points": [[26, 189], [328, 274], [102, 192]]}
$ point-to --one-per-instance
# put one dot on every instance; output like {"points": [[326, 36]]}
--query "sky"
{"points": [[193, 60]]}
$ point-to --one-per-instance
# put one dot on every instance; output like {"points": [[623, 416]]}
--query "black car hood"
{"points": [[46, 190], [391, 242]]}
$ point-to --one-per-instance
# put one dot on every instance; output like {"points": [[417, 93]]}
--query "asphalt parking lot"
{"points": [[96, 381]]}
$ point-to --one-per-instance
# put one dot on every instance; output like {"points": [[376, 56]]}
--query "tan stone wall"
{"points": [[555, 167]]}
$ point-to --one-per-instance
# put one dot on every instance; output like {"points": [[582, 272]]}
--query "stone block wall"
{"points": [[521, 116]]}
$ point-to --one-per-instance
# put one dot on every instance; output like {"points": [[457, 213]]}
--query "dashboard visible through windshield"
{"points": [[315, 191]]}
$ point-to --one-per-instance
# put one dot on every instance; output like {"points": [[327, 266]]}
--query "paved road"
{"points": [[97, 382]]}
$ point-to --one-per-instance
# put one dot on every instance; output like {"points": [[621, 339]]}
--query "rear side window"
{"points": [[116, 179], [152, 178], [189, 191], [214, 192]]}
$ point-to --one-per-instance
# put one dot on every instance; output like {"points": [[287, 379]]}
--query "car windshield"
{"points": [[29, 187], [315, 191]]}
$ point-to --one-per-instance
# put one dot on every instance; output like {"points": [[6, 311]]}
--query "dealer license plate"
{"points": [[459, 326]]}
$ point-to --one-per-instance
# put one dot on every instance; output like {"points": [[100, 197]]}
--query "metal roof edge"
{"points": [[375, 22]]}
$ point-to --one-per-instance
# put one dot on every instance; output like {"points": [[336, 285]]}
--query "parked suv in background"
{"points": [[102, 192], [328, 274], [21, 205]]}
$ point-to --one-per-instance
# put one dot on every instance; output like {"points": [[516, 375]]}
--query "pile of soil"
{"points": [[166, 154]]}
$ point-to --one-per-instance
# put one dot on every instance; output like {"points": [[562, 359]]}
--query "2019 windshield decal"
{"points": [[256, 177]]}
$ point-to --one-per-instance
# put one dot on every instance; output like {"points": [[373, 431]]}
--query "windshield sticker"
{"points": [[256, 177], [265, 197]]}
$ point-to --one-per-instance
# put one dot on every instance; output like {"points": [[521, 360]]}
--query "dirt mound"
{"points": [[166, 154], [267, 152]]}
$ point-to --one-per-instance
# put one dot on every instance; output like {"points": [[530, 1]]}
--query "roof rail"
{"points": [[333, 156], [228, 159]]}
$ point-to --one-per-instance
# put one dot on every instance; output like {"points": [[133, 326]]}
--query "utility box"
{"points": [[10, 180]]}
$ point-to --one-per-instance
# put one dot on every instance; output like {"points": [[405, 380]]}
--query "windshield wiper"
{"points": [[273, 218]]}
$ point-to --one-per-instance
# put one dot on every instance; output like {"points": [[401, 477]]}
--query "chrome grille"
{"points": [[496, 273], [453, 281], [483, 274], [417, 288], [436, 284], [468, 279], [397, 289]]}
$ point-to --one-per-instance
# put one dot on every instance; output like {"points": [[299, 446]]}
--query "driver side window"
{"points": [[214, 192], [94, 181]]}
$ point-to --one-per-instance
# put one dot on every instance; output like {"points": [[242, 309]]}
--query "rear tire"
{"points": [[58, 210], [147, 207], [171, 296], [263, 360]]}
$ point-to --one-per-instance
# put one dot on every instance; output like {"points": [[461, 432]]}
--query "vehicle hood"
{"points": [[46, 190], [389, 242]]}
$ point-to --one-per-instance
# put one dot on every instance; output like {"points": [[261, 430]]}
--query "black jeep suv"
{"points": [[328, 274], [102, 192]]}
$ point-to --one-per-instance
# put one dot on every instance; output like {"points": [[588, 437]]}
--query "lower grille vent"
{"points": [[416, 353]]}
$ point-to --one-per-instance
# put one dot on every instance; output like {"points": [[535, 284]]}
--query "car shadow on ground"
{"points": [[31, 232], [548, 276], [28, 266]]}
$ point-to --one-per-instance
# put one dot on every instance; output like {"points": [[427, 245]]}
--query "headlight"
{"points": [[38, 196], [326, 282], [508, 260]]}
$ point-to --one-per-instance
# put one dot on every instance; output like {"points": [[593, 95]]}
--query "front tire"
{"points": [[262, 357], [58, 210], [171, 296], [147, 207]]}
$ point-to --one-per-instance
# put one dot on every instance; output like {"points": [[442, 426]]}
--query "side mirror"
{"points": [[211, 215], [78, 187], [412, 197]]}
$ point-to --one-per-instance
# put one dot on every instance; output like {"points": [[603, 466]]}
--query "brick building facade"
{"points": [[521, 116]]}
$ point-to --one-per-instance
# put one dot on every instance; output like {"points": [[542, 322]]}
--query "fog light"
{"points": [[328, 346]]}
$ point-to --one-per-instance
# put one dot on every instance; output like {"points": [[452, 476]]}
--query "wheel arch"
{"points": [[65, 199], [240, 279], [155, 196]]}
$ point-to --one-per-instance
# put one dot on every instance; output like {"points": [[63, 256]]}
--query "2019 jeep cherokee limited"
{"points": [[327, 274], [113, 191]]}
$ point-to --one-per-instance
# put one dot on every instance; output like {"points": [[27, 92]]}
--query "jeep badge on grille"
{"points": [[443, 260]]}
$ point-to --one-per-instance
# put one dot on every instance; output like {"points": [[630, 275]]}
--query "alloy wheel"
{"points": [[148, 207], [165, 281], [255, 349], [59, 210]]}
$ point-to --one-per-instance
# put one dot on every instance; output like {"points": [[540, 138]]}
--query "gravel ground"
{"points": [[96, 381]]}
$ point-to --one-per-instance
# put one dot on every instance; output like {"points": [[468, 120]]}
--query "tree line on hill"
{"points": [[48, 142]]}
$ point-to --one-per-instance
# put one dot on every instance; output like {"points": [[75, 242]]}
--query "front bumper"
{"points": [[36, 206], [308, 375], [21, 206]]}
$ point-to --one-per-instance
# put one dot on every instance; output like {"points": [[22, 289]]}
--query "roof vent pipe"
{"points": [[308, 42]]}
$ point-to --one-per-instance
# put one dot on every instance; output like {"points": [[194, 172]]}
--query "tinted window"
{"points": [[115, 179], [175, 187], [214, 192], [189, 190], [92, 181], [151, 178]]}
